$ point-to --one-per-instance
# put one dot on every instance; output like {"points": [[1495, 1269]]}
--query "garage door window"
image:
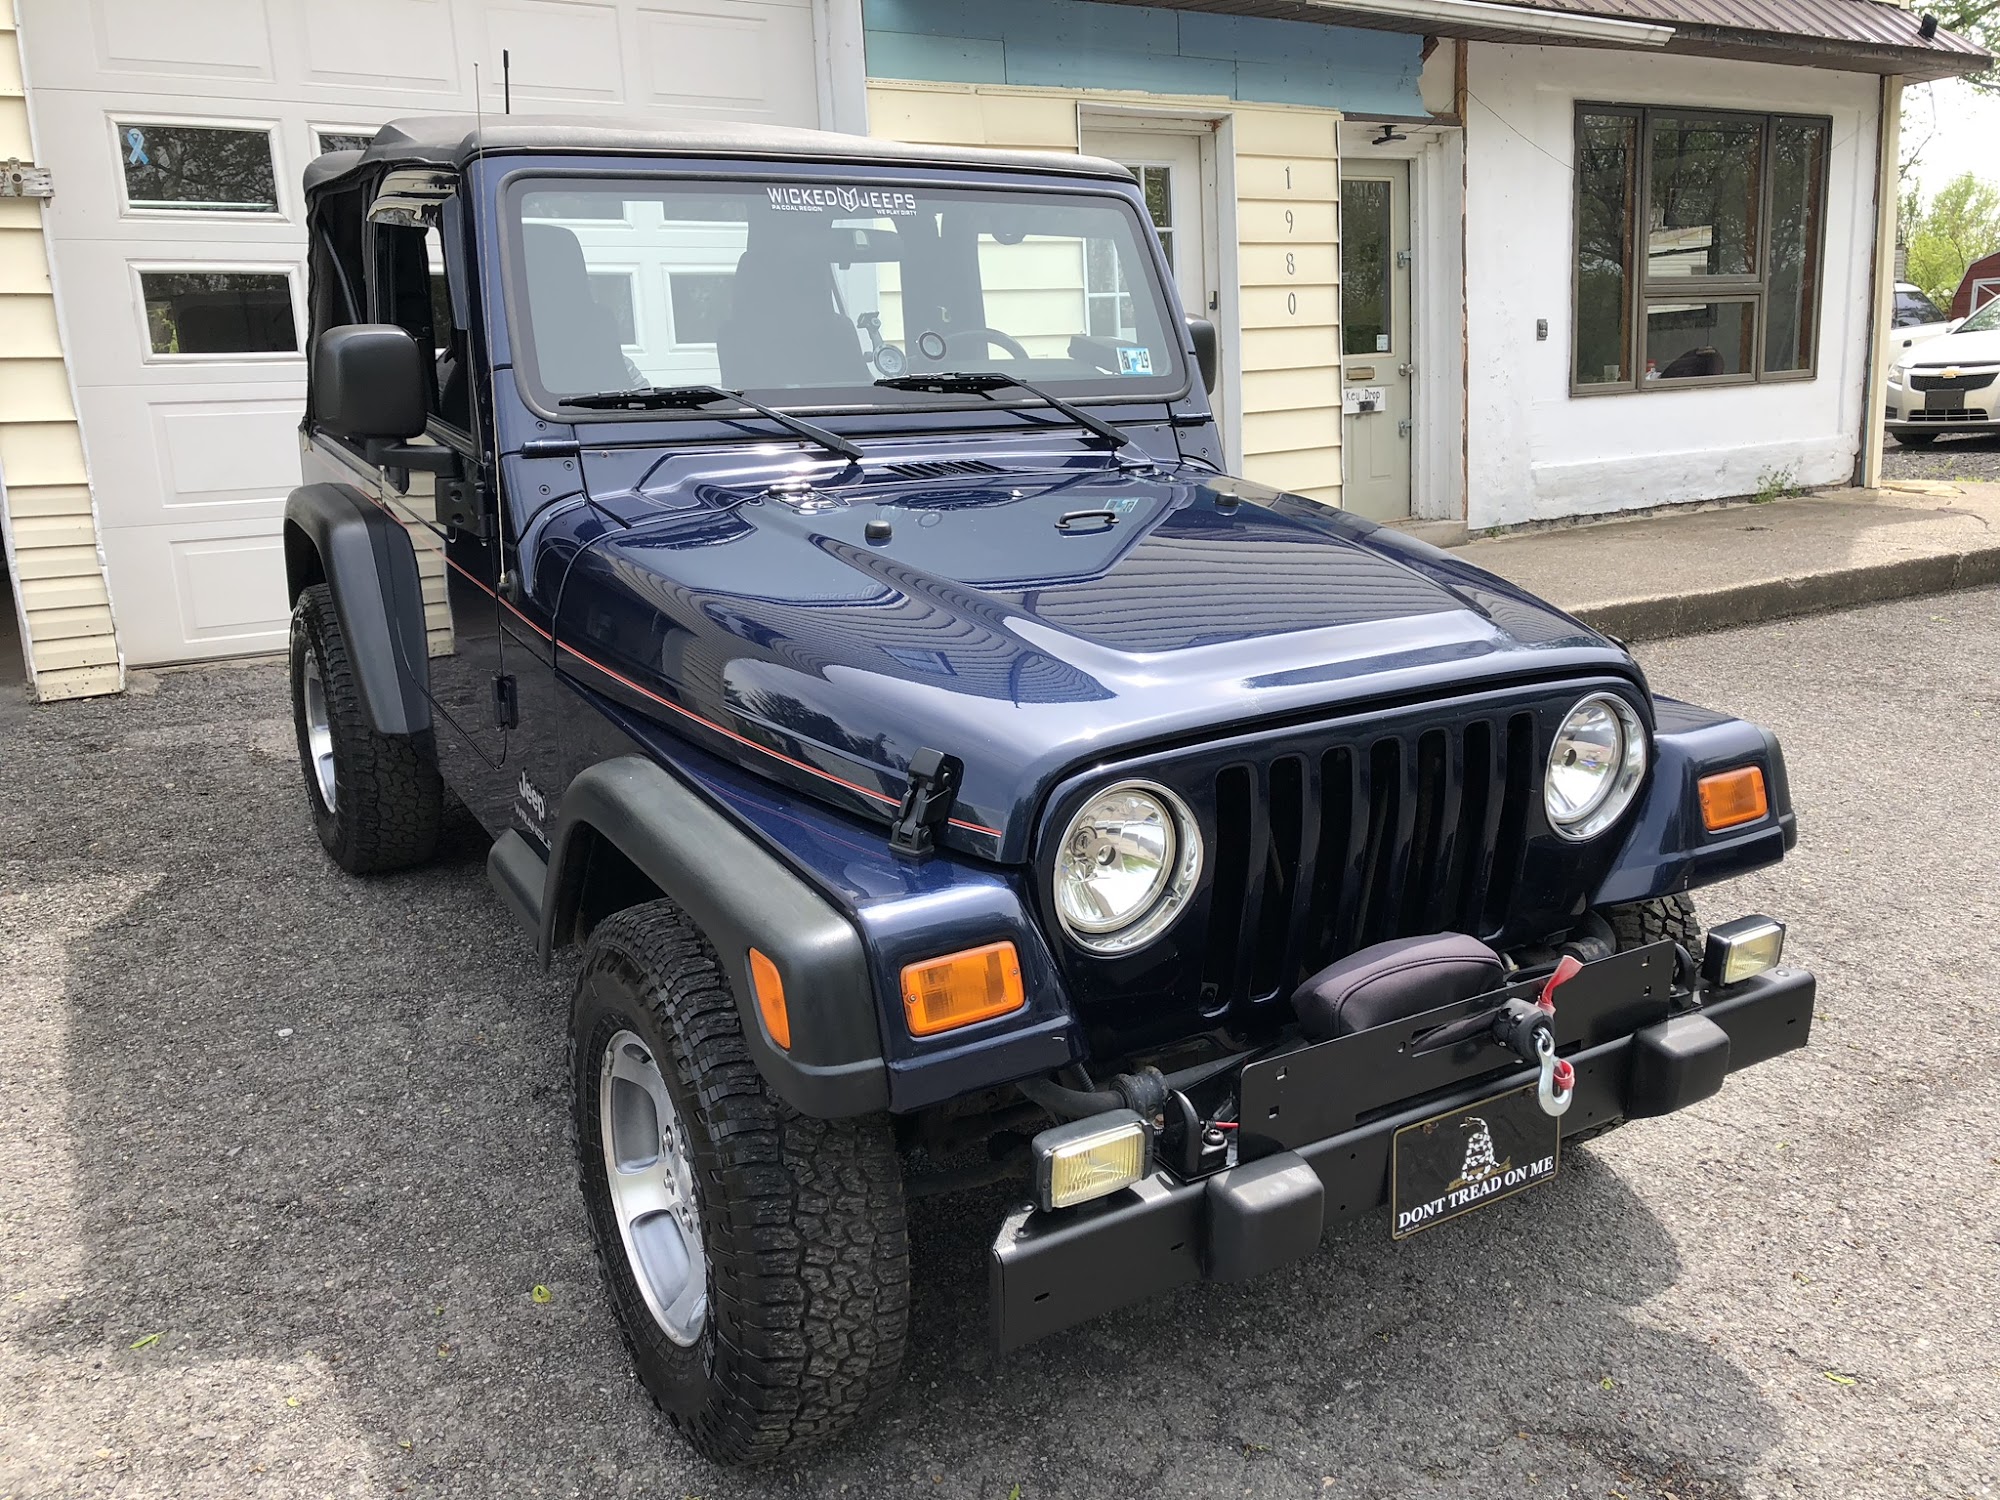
{"points": [[197, 168], [196, 313]]}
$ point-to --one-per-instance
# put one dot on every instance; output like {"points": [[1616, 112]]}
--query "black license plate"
{"points": [[1453, 1163]]}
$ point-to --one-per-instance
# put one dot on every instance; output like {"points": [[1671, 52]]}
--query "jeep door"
{"points": [[415, 284]]}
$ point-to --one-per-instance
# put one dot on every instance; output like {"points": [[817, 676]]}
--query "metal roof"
{"points": [[1859, 36], [453, 140]]}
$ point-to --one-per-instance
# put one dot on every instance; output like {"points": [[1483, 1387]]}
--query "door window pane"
{"points": [[701, 304], [1364, 266], [219, 312], [1606, 169], [197, 168], [1705, 189], [1798, 190], [1696, 340]]}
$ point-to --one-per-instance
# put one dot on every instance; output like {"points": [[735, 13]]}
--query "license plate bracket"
{"points": [[1466, 1158]]}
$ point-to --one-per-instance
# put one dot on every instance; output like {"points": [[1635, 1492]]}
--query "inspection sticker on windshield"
{"points": [[846, 200], [1135, 361]]}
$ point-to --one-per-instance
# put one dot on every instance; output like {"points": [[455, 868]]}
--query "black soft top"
{"points": [[454, 140]]}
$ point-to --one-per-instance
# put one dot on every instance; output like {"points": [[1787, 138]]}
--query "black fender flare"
{"points": [[742, 895], [337, 536]]}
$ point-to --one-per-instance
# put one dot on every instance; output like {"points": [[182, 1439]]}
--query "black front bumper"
{"points": [[1052, 1270]]}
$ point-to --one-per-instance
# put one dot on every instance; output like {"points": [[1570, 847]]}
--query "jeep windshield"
{"points": [[805, 294]]}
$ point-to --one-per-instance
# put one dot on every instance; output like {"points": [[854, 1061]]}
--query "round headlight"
{"points": [[1595, 766], [1126, 866]]}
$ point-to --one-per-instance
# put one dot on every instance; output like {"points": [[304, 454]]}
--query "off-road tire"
{"points": [[1915, 439], [1668, 919], [1635, 926], [387, 794], [801, 1219]]}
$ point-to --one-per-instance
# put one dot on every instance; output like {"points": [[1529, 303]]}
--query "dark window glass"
{"points": [[1607, 168], [197, 168], [1705, 190], [219, 312], [1708, 229], [1364, 266], [1913, 307], [701, 303], [612, 291], [344, 140], [1798, 192], [440, 309], [1694, 341]]}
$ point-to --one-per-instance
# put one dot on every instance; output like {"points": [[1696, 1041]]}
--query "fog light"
{"points": [[1091, 1158], [1732, 797], [1742, 948]]}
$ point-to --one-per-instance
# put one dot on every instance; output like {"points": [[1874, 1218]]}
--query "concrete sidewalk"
{"points": [[1692, 571]]}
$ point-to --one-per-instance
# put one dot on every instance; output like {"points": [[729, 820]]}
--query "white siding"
{"points": [[1536, 452]]}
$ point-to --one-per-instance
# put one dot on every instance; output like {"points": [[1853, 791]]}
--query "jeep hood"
{"points": [[1031, 624]]}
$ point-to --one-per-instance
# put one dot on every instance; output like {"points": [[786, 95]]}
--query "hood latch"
{"points": [[934, 778]]}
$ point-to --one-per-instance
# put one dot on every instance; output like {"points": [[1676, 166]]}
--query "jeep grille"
{"points": [[1316, 855]]}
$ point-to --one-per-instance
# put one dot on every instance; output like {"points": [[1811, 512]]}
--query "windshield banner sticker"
{"points": [[847, 200]]}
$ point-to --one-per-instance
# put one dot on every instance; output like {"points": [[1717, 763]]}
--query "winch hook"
{"points": [[1556, 1088]]}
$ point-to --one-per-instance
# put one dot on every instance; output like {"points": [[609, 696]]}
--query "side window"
{"points": [[409, 288]]}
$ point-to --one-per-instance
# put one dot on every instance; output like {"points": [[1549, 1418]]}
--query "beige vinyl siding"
{"points": [[50, 519], [1288, 258], [1286, 163]]}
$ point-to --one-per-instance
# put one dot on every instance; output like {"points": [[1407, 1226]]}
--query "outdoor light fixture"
{"points": [[1389, 133], [1091, 1158], [1743, 948]]}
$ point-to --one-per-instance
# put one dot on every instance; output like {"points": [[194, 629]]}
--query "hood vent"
{"points": [[943, 469]]}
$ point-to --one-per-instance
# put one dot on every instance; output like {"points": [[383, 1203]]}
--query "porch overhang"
{"points": [[1849, 36]]}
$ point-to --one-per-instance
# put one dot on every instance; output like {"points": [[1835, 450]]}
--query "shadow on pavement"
{"points": [[313, 1133]]}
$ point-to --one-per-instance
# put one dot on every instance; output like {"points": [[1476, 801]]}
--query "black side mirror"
{"points": [[368, 383], [1206, 356]]}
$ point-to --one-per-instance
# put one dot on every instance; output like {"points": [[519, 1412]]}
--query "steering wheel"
{"points": [[1005, 342]]}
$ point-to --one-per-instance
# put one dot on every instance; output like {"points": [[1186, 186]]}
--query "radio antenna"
{"points": [[506, 82]]}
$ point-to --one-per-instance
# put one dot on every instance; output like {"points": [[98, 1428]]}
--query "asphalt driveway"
{"points": [[283, 1156]]}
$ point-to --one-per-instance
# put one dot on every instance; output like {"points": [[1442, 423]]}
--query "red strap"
{"points": [[1567, 970], [1565, 1076]]}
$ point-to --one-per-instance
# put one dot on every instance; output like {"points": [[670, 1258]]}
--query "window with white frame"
{"points": [[1699, 244], [195, 311], [176, 168]]}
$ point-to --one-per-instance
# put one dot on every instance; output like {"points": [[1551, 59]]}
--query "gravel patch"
{"points": [[1952, 457], [283, 1155]]}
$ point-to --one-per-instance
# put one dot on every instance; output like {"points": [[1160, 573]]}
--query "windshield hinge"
{"points": [[934, 778]]}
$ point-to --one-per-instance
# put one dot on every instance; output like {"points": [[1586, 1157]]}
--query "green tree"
{"points": [[1960, 224]]}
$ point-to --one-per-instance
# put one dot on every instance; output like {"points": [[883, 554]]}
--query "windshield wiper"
{"points": [[984, 382], [664, 397]]}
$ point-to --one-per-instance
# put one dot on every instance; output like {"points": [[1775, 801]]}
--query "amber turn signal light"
{"points": [[942, 994], [1732, 797], [771, 999]]}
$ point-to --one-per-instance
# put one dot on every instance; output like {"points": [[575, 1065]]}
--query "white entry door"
{"points": [[1376, 362], [1180, 197], [177, 130]]}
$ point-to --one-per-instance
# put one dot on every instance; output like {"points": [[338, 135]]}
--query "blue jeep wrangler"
{"points": [[811, 560]]}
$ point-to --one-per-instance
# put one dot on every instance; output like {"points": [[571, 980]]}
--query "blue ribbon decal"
{"points": [[135, 156]]}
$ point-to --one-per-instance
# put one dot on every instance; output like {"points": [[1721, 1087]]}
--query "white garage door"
{"points": [[177, 130]]}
